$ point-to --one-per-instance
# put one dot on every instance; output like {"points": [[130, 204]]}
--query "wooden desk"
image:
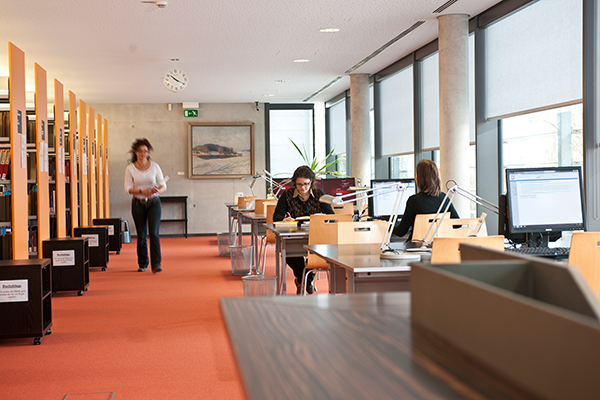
{"points": [[183, 201], [358, 346], [290, 240], [256, 228], [363, 269], [231, 215]]}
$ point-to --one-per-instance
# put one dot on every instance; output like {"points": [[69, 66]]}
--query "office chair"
{"points": [[322, 230]]}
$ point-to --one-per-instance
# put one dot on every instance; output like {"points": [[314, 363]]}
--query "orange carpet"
{"points": [[137, 335]]}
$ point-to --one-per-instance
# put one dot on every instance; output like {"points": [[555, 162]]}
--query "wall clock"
{"points": [[175, 80]]}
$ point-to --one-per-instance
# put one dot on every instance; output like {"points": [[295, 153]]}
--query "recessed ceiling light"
{"points": [[301, 60], [281, 80], [329, 30], [268, 95]]}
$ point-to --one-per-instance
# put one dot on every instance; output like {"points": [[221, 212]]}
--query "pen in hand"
{"points": [[289, 217]]}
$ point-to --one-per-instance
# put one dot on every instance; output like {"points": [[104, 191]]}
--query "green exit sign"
{"points": [[190, 113]]}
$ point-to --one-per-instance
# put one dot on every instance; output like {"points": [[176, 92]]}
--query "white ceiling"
{"points": [[233, 51]]}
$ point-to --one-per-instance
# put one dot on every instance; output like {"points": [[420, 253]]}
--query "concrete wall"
{"points": [[167, 131]]}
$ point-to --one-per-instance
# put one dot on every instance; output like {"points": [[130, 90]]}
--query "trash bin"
{"points": [[241, 259], [126, 235], [225, 240], [259, 285]]}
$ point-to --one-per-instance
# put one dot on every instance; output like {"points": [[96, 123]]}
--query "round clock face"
{"points": [[175, 80]]}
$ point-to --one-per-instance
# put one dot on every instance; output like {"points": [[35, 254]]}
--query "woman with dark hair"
{"points": [[144, 180], [301, 200], [427, 200]]}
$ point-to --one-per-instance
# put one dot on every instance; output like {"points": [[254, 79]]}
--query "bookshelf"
{"points": [[42, 162], [105, 169], [91, 151], [100, 165], [72, 156], [59, 160], [84, 211]]}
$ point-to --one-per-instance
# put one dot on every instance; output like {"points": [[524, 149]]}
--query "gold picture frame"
{"points": [[221, 150]]}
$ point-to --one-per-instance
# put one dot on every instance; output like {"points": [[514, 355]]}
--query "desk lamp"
{"points": [[386, 251], [450, 193]]}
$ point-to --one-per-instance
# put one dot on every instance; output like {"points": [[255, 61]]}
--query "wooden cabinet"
{"points": [[25, 298], [70, 260], [114, 232], [98, 243]]}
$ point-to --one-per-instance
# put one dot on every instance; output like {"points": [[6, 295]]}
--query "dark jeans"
{"points": [[297, 265], [147, 214]]}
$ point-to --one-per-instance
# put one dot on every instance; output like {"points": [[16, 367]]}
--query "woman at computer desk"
{"points": [[426, 201], [301, 200]]}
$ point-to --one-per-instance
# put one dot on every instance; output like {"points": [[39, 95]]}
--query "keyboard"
{"points": [[555, 252]]}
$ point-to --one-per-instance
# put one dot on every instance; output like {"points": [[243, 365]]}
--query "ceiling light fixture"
{"points": [[268, 95], [281, 80], [301, 60], [329, 30]]}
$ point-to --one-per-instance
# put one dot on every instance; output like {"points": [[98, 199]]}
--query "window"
{"points": [[286, 124]]}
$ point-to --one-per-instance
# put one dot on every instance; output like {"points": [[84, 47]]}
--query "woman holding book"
{"points": [[144, 180], [301, 200]]}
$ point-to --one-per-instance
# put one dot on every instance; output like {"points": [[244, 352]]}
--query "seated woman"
{"points": [[426, 201], [301, 200]]}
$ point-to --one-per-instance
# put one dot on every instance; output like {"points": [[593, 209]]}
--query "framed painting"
{"points": [[221, 150]]}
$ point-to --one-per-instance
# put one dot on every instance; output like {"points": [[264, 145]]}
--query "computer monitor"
{"points": [[545, 200], [338, 187], [381, 206]]}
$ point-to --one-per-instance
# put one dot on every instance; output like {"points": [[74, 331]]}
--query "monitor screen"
{"points": [[381, 206], [545, 199], [338, 187]]}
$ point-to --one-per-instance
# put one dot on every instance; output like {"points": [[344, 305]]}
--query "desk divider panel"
{"points": [[59, 151], [528, 321]]}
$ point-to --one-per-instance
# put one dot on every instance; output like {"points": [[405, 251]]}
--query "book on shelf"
{"points": [[3, 156]]}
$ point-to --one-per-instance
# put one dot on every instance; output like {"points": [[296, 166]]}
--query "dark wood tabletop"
{"points": [[358, 346]]}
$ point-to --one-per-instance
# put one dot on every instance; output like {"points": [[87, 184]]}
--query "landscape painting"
{"points": [[221, 150]]}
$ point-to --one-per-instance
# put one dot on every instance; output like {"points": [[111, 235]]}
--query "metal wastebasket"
{"points": [[225, 239], [259, 285], [241, 259], [126, 235]]}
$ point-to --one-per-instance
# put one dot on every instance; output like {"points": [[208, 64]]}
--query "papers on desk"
{"points": [[285, 223]]}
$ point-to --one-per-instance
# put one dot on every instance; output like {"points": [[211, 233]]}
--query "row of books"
{"points": [[4, 164], [6, 245]]}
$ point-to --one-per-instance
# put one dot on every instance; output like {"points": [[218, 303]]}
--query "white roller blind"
{"points": [[336, 126], [534, 58], [431, 98], [286, 125], [397, 113]]}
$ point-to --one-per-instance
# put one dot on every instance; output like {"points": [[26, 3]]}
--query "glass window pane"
{"points": [[296, 125]]}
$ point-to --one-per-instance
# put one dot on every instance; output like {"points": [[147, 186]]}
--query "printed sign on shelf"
{"points": [[14, 291], [111, 230], [93, 239], [63, 258]]}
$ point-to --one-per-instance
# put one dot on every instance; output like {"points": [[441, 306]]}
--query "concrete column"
{"points": [[360, 146], [454, 104]]}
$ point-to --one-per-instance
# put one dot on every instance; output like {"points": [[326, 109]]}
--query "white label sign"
{"points": [[93, 239], [64, 258], [23, 151], [111, 230], [14, 291]]}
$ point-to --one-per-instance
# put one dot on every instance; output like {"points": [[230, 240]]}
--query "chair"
{"points": [[445, 250], [322, 230], [260, 205], [421, 225], [267, 238], [361, 232], [462, 227], [584, 255], [347, 208]]}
